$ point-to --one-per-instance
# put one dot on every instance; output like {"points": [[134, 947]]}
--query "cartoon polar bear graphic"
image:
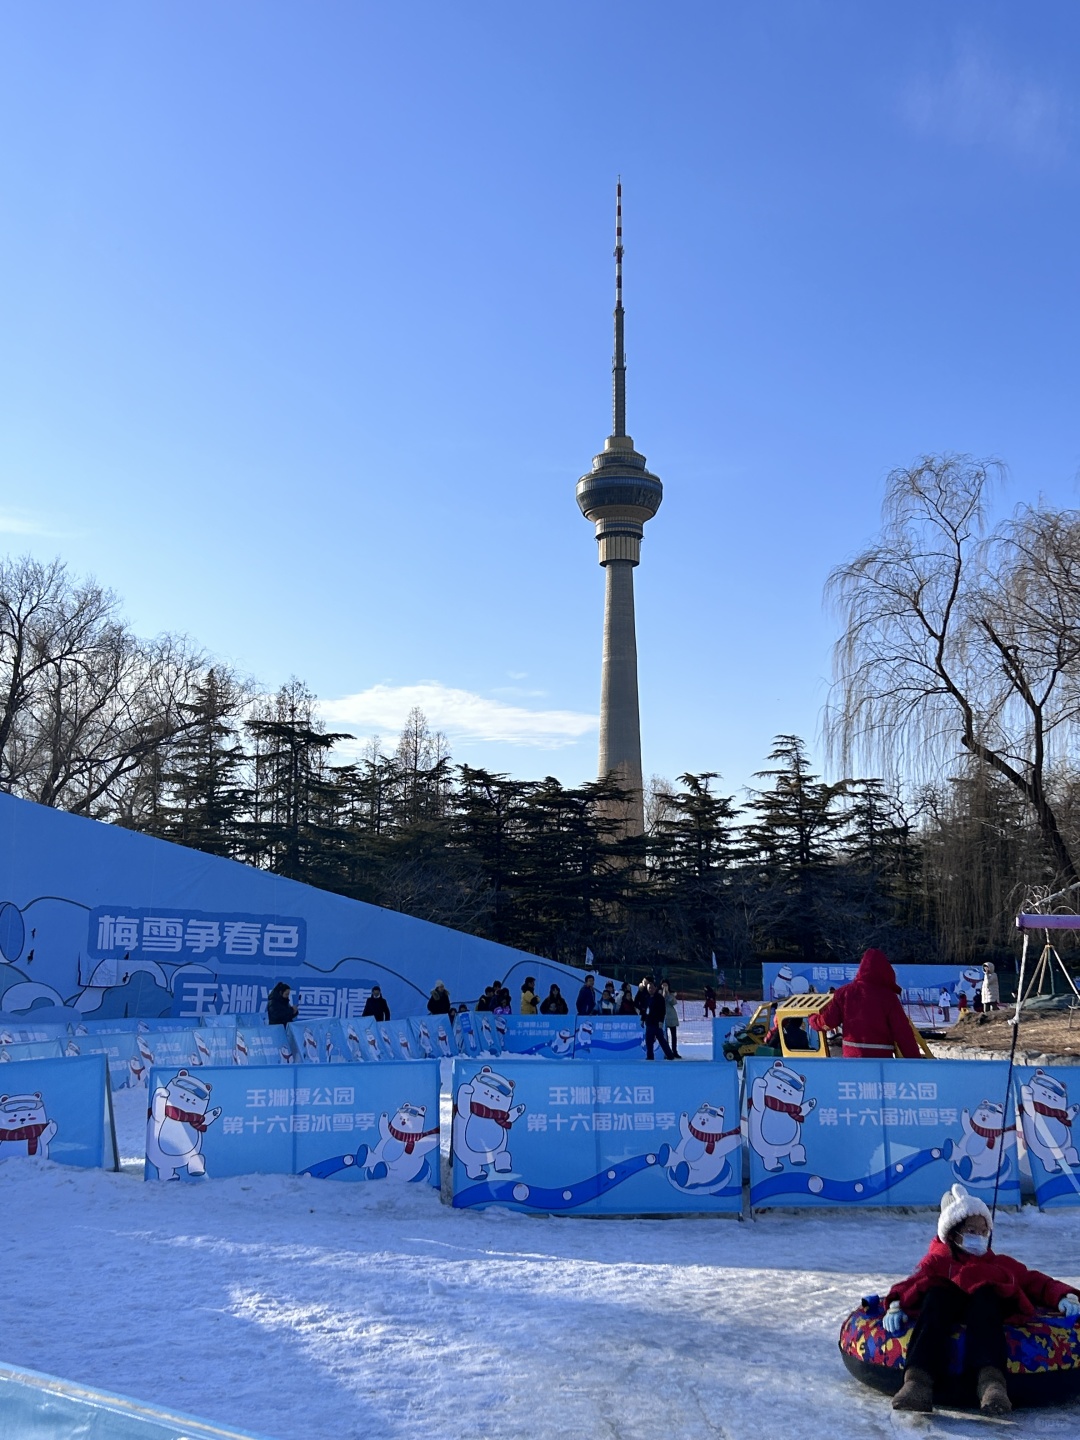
{"points": [[483, 1115], [25, 1128], [423, 1037], [583, 1039], [563, 1043], [977, 1154], [403, 1147], [310, 1047], [443, 1040], [699, 1161], [777, 1112], [178, 1120], [1046, 1119]]}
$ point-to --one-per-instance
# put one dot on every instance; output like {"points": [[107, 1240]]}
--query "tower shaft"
{"points": [[620, 727], [619, 495]]}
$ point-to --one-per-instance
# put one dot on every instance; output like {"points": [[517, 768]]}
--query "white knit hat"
{"points": [[957, 1205]]}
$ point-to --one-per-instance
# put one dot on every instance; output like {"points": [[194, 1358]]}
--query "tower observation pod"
{"points": [[618, 495]]}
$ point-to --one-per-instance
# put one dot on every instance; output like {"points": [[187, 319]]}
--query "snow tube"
{"points": [[1043, 1366]]}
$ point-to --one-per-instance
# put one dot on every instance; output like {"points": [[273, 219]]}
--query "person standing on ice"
{"points": [[869, 1011], [962, 1281], [991, 993], [586, 1000], [654, 1017], [529, 1000], [671, 1018]]}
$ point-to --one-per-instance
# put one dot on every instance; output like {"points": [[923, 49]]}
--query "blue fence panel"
{"points": [[596, 1139], [1047, 1123], [168, 1047], [353, 1122], [609, 1037], [24, 1034], [478, 1034], [320, 1042], [548, 1036], [32, 1050], [127, 1068], [267, 1045], [57, 1109], [863, 1132]]}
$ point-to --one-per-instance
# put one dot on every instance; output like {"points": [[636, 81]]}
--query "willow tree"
{"points": [[960, 639]]}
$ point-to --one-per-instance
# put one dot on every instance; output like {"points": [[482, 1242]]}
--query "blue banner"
{"points": [[1048, 1131], [351, 1123], [57, 1110], [935, 989], [123, 934], [609, 1037], [198, 995], [863, 1132], [605, 1139], [548, 1036]]}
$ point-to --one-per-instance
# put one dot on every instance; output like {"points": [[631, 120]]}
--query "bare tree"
{"points": [[85, 706], [954, 640]]}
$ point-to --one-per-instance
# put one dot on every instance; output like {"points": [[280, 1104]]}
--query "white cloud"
{"points": [[19, 525], [461, 714], [976, 102]]}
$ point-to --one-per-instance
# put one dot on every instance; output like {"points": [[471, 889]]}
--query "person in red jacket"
{"points": [[962, 1281], [870, 1012]]}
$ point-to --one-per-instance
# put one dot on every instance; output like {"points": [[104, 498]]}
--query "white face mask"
{"points": [[975, 1244]]}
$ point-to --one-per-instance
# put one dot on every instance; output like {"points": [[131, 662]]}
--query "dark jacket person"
{"points": [[279, 1007], [376, 1006]]}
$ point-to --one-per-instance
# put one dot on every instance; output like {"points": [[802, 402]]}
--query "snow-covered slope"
{"points": [[300, 1308]]}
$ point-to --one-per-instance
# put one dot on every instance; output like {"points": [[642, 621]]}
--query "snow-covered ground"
{"points": [[311, 1309]]}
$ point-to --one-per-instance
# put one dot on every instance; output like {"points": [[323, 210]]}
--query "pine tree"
{"points": [[793, 841]]}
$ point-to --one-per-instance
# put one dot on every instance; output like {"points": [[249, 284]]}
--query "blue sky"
{"points": [[307, 319]]}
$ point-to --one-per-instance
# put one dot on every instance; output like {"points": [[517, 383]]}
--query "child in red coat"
{"points": [[961, 1281]]}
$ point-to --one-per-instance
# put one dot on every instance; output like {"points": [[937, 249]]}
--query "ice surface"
{"points": [[304, 1309]]}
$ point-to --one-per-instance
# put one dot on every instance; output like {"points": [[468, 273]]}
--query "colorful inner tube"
{"points": [[1043, 1366]]}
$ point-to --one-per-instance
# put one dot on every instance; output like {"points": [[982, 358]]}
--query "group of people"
{"points": [[654, 1005]]}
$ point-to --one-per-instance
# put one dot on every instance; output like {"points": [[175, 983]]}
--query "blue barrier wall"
{"points": [[350, 1122], [861, 1132], [109, 923], [582, 1138]]}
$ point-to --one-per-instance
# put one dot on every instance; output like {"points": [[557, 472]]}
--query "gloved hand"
{"points": [[1069, 1307], [895, 1319]]}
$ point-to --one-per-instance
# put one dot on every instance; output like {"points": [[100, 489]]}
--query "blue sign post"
{"points": [[580, 1138]]}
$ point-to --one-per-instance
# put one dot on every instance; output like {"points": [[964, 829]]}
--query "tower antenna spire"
{"points": [[618, 363]]}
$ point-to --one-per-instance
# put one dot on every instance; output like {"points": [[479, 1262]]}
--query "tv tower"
{"points": [[619, 495]]}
